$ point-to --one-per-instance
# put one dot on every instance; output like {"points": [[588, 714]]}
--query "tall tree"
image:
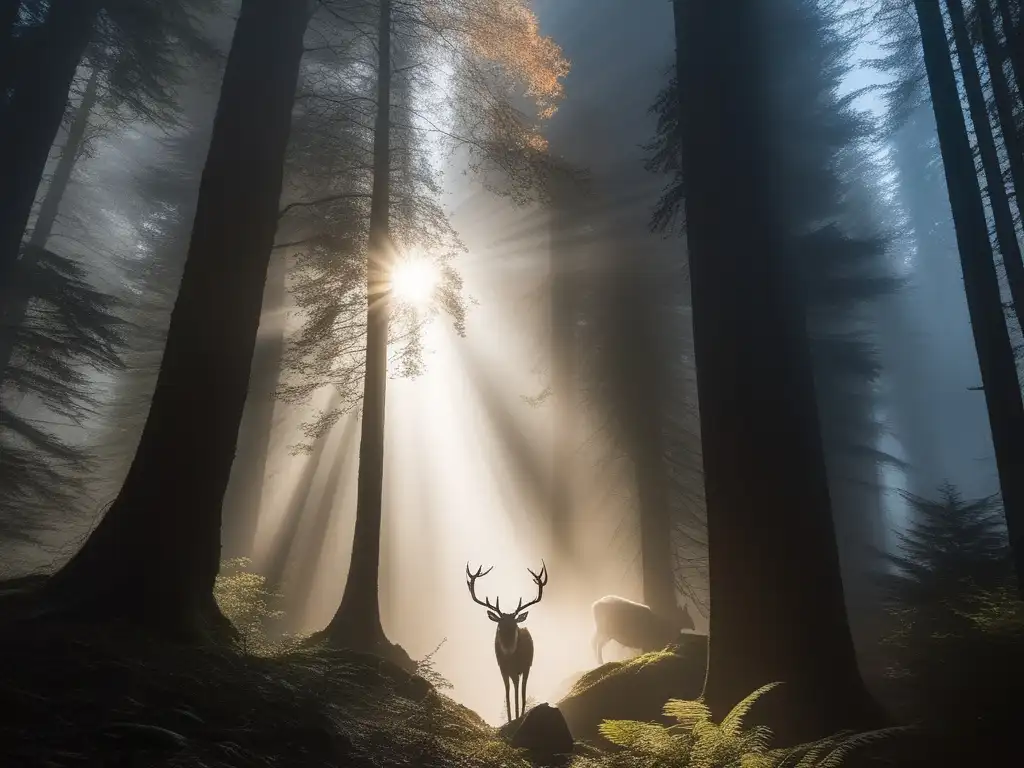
{"points": [[154, 557], [17, 304], [358, 616], [995, 52], [142, 45], [981, 282], [1011, 14], [34, 118], [777, 608], [498, 137], [1006, 232]]}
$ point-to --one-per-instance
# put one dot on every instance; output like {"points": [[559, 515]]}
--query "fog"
{"points": [[471, 462]]}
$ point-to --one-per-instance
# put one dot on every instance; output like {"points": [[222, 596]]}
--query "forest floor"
{"points": [[77, 696]]}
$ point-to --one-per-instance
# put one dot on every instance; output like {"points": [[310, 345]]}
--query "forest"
{"points": [[690, 330]]}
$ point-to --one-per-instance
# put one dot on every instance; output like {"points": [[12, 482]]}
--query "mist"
{"points": [[511, 317]]}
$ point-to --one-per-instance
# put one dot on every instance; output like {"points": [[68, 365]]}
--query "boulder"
{"points": [[544, 734], [636, 689]]}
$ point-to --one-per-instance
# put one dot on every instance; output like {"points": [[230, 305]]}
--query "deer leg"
{"points": [[599, 643], [526, 676], [508, 706], [515, 682]]}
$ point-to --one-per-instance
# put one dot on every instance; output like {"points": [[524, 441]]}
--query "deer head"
{"points": [[508, 623]]}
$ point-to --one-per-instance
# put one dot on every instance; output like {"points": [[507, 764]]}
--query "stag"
{"points": [[513, 644], [635, 625]]}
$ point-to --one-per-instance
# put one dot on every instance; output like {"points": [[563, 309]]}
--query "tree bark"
{"points": [[357, 622], [18, 299], [33, 119], [1013, 31], [1006, 233], [155, 555], [9, 10], [1004, 98], [981, 282], [777, 605]]}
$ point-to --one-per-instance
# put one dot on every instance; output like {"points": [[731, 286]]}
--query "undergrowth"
{"points": [[694, 741], [109, 696]]}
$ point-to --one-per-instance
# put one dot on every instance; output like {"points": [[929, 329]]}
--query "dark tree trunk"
{"points": [[357, 622], [777, 605], [154, 557], [981, 282], [1004, 98], [9, 10], [245, 494], [33, 119], [1006, 233], [1013, 31], [18, 299]]}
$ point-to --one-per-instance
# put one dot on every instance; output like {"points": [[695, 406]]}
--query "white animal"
{"points": [[635, 625]]}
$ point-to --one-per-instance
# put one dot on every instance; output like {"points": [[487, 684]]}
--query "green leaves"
{"points": [[697, 742]]}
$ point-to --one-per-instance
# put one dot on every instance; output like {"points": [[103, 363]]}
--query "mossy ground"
{"points": [[636, 689], [78, 696]]}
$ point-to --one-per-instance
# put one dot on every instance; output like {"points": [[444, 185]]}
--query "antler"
{"points": [[541, 580], [471, 583]]}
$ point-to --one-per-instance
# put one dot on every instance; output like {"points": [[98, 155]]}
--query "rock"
{"points": [[636, 689], [545, 736]]}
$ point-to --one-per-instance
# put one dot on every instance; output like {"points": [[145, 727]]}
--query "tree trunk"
{"points": [[777, 605], [1013, 31], [1006, 233], [154, 557], [1004, 98], [34, 117], [9, 10], [981, 282], [18, 298], [357, 622]]}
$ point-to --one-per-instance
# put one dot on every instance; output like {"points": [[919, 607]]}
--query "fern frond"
{"points": [[732, 724], [756, 740], [634, 734], [849, 742], [687, 713]]}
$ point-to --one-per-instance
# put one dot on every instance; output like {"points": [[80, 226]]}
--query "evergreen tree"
{"points": [[981, 282], [768, 505], [957, 623], [154, 557]]}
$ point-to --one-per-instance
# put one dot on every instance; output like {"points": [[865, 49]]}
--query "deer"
{"points": [[635, 625], [513, 644]]}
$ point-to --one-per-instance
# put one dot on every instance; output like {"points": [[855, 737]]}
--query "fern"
{"points": [[732, 724], [695, 741], [687, 713]]}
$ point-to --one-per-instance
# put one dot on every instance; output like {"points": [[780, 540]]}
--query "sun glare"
{"points": [[414, 281]]}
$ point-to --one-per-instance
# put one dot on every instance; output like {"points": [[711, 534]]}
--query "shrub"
{"points": [[694, 741], [243, 596]]}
